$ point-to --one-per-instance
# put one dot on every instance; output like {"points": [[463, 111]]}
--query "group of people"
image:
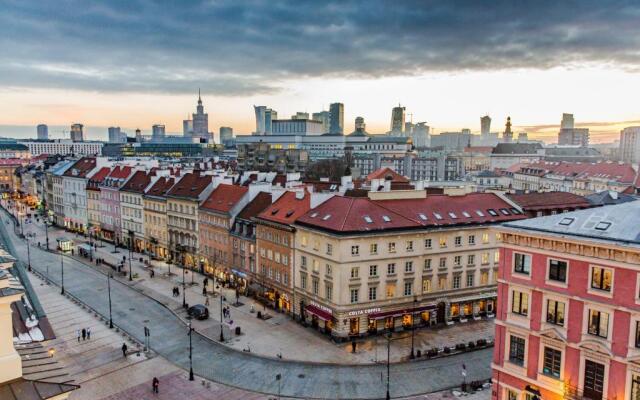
{"points": [[176, 291], [84, 333]]}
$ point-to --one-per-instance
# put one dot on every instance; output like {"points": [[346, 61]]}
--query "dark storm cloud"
{"points": [[244, 47]]}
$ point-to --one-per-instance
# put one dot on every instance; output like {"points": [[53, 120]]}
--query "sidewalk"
{"points": [[275, 337]]}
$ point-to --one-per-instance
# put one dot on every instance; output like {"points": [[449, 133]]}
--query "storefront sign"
{"points": [[321, 307], [363, 312]]}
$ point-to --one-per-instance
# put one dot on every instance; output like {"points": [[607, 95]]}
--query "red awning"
{"points": [[397, 313], [323, 315]]}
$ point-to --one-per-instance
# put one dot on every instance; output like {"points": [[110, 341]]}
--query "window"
{"points": [[442, 283], [443, 241], [304, 241], [484, 278], [470, 279], [472, 239], [373, 248], [471, 259], [408, 266], [593, 380], [373, 293], [522, 263], [598, 323], [485, 258], [485, 238], [303, 260], [354, 295], [354, 272], [391, 290], [303, 281], [496, 257], [457, 260], [410, 245], [427, 264], [373, 270], [512, 394], [456, 282], [392, 247], [427, 243], [426, 285], [328, 269], [601, 278], [555, 312], [328, 290], [516, 350], [637, 342], [315, 284], [391, 269], [442, 263], [458, 241], [329, 248], [557, 270], [355, 250], [551, 362], [520, 304], [408, 288]]}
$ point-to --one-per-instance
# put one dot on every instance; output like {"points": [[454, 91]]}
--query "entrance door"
{"points": [[441, 313], [593, 380]]}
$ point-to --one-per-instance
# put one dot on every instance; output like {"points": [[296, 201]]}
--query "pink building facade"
{"points": [[568, 317], [110, 222]]}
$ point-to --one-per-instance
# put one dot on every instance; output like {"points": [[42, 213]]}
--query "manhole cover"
{"points": [[301, 376]]}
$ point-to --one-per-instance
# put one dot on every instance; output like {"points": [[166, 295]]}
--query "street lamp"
{"points": [[109, 291], [221, 319], [130, 254], [62, 270], [28, 254], [413, 327], [46, 231], [190, 353], [388, 362]]}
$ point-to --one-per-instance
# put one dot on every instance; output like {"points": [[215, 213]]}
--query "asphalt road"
{"points": [[169, 337]]}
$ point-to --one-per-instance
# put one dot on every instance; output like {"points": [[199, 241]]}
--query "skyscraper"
{"points": [[115, 136], [567, 121], [187, 127], [569, 135], [325, 118], [630, 145], [485, 126], [157, 132], [226, 133], [269, 116], [138, 135], [507, 136], [300, 115], [336, 110], [359, 124], [421, 135], [43, 132], [201, 121], [76, 133], [260, 119], [397, 120]]}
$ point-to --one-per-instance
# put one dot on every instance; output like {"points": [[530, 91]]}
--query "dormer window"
{"points": [[386, 218], [326, 217]]}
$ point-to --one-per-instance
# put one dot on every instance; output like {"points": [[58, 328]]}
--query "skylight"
{"points": [[480, 213], [603, 226], [505, 211], [515, 211], [566, 221], [422, 216], [315, 214], [326, 217], [453, 215], [466, 214], [289, 213], [493, 212], [368, 219], [274, 212], [438, 216], [386, 218]]}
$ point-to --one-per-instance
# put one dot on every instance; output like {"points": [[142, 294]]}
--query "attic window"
{"points": [[368, 219], [274, 212], [505, 211], [289, 213], [480, 213], [515, 211], [326, 217], [386, 218], [493, 212], [603, 226], [422, 216], [466, 214], [566, 221], [315, 214], [453, 215], [438, 216]]}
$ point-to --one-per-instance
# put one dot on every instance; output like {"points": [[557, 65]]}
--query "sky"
{"points": [[134, 63]]}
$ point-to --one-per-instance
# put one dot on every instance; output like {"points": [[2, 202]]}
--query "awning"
{"points": [[398, 313], [323, 315], [481, 296], [239, 273]]}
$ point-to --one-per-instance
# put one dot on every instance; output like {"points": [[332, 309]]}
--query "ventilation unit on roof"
{"points": [[368, 219], [566, 221], [386, 218], [326, 217]]}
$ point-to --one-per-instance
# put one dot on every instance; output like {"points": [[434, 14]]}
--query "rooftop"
{"points": [[287, 208], [539, 201], [24, 389], [361, 214], [161, 186], [255, 206], [387, 174], [619, 223], [607, 197], [611, 171], [517, 148], [81, 168], [138, 182], [190, 186], [224, 198]]}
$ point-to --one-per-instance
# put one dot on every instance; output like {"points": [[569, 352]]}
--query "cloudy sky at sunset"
{"points": [[134, 63]]}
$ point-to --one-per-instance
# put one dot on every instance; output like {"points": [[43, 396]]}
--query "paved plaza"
{"points": [[134, 309]]}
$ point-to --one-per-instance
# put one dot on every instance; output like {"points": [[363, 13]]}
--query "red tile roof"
{"points": [[387, 173], [81, 168], [97, 178], [255, 206], [612, 171], [224, 198], [190, 186], [138, 182], [120, 172], [549, 200], [357, 214], [12, 161], [162, 185], [287, 209]]}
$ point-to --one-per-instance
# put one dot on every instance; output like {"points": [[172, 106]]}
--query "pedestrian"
{"points": [[84, 334], [78, 334], [155, 385], [88, 333], [177, 291], [124, 350], [206, 282], [206, 300], [204, 290]]}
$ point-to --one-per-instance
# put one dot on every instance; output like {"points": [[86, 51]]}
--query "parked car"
{"points": [[198, 311]]}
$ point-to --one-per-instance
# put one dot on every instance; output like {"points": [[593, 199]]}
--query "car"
{"points": [[198, 312]]}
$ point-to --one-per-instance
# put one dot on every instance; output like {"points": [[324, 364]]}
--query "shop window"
{"points": [[557, 270], [455, 310], [598, 323], [520, 303], [407, 320], [555, 312], [522, 263], [601, 278], [354, 326], [388, 323], [516, 350], [551, 363], [635, 387]]}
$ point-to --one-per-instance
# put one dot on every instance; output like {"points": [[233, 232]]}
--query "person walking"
{"points": [[206, 300], [88, 333], [155, 383], [204, 290], [124, 350], [78, 333], [84, 334]]}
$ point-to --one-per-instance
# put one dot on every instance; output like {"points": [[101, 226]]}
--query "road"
{"points": [[132, 310]]}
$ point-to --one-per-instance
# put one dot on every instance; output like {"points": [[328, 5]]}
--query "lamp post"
{"points": [[62, 270], [28, 254], [130, 254], [221, 319], [413, 327], [46, 231], [388, 362], [190, 353], [109, 291]]}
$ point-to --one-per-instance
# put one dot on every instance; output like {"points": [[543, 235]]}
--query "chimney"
{"points": [[299, 195]]}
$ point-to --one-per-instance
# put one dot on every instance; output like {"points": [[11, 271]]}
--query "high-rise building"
{"points": [[507, 136], [201, 121], [325, 118], [138, 135], [574, 137], [269, 116], [226, 133], [300, 115], [76, 133], [523, 137], [116, 136], [336, 110], [260, 119], [408, 128], [630, 145], [157, 132], [485, 126], [360, 124], [43, 132], [397, 119], [187, 127], [421, 135], [567, 121]]}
